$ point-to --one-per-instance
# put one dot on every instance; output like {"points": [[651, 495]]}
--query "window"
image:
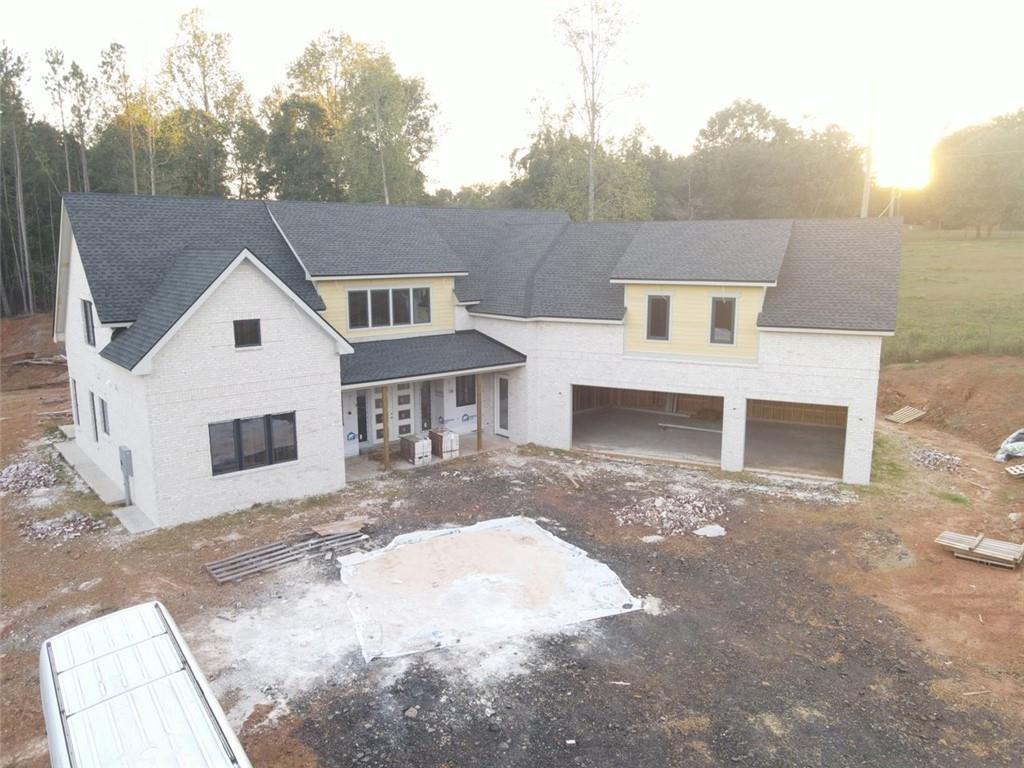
{"points": [[92, 413], [358, 310], [723, 320], [90, 329], [421, 305], [380, 307], [465, 390], [256, 442], [74, 402], [247, 333], [657, 317], [388, 307], [401, 311], [104, 418]]}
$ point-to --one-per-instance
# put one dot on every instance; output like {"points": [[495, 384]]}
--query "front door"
{"points": [[501, 406]]}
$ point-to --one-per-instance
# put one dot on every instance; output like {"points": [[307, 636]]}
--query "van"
{"points": [[124, 690]]}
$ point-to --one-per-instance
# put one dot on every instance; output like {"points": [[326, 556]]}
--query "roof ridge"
{"points": [[529, 293]]}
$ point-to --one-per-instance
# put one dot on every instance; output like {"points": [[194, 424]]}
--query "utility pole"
{"points": [[865, 197]]}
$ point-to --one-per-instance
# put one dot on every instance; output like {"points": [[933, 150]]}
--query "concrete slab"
{"points": [[805, 449], [68, 430], [134, 519], [108, 491], [635, 432], [475, 585]]}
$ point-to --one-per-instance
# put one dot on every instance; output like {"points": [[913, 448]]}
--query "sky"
{"points": [[492, 66]]}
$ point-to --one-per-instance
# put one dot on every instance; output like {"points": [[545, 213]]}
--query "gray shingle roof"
{"points": [[425, 356], [707, 251], [340, 239], [838, 274], [186, 280], [128, 242]]}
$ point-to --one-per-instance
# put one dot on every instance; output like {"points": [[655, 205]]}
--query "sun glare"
{"points": [[904, 165]]}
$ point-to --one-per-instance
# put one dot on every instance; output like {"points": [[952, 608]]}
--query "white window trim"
{"points": [[647, 317], [735, 320], [368, 290]]}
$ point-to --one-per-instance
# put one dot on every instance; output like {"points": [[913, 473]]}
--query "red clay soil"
{"points": [[29, 337], [977, 397]]}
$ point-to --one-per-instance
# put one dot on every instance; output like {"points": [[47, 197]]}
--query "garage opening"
{"points": [[644, 423], [802, 438]]}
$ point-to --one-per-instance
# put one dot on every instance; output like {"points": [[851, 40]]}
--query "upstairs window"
{"points": [[90, 329], [657, 317], [723, 320], [247, 333], [465, 390], [256, 442], [388, 307]]}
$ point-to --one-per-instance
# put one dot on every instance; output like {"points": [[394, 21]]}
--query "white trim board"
{"points": [[396, 276], [145, 365], [705, 283], [542, 319], [430, 376], [780, 329]]}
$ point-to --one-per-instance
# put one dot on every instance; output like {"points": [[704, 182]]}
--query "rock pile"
{"points": [[672, 515], [68, 526], [27, 472], [931, 458]]}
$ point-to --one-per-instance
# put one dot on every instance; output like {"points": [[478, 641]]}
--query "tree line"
{"points": [[345, 125]]}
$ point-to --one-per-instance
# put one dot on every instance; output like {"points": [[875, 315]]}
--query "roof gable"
{"points": [[127, 243], [193, 277]]}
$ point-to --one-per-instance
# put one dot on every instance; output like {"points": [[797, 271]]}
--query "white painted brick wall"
{"points": [[827, 369], [124, 393], [199, 378]]}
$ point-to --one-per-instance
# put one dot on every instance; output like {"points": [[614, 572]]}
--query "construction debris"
{"points": [[280, 553], [68, 526], [710, 531], [27, 472], [350, 525], [1017, 470], [931, 458], [672, 515], [1005, 554], [1013, 446], [55, 360], [905, 415]]}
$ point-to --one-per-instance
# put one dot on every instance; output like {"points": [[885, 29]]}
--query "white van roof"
{"points": [[130, 694]]}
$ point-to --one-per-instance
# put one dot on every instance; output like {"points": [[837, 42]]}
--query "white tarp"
{"points": [[471, 585]]}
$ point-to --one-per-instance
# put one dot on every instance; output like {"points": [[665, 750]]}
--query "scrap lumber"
{"points": [[349, 525], [666, 425], [1017, 470], [980, 549], [280, 553], [905, 415]]}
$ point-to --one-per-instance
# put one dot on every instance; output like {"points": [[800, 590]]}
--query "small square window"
{"points": [[247, 333], [380, 434], [405, 413], [404, 429], [404, 399]]}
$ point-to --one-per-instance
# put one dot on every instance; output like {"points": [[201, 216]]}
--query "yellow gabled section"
{"points": [[690, 321], [442, 305]]}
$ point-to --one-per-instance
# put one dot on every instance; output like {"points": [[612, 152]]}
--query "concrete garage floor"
{"points": [[798, 448]]}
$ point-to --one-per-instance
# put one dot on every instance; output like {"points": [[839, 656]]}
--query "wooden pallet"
{"points": [[905, 415], [1017, 470], [280, 553], [1005, 554]]}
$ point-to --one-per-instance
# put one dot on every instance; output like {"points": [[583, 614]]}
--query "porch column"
{"points": [[734, 432], [387, 436], [479, 414]]}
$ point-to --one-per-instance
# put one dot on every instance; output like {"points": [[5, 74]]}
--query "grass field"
{"points": [[959, 295]]}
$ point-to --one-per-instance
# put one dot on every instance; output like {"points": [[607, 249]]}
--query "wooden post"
{"points": [[479, 416], [387, 431]]}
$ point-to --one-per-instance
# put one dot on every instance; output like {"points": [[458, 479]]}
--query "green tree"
{"points": [[978, 175], [207, 91], [299, 155], [83, 89], [122, 99]]}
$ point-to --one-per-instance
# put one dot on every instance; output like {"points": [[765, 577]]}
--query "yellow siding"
{"points": [[690, 321], [442, 305]]}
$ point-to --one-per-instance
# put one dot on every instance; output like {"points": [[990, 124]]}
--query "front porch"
{"points": [[371, 463]]}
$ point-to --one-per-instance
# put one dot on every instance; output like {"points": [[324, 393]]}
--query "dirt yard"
{"points": [[823, 628]]}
